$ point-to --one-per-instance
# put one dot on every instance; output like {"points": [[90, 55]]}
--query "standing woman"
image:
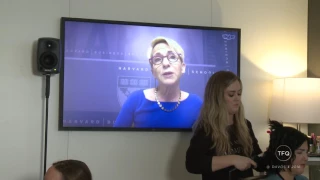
{"points": [[223, 139]]}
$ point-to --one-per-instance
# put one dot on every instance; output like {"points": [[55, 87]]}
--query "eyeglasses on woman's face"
{"points": [[158, 58]]}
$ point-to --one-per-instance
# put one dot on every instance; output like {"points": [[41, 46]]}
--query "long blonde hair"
{"points": [[214, 116]]}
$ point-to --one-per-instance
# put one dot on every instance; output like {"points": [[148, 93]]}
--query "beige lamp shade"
{"points": [[296, 100]]}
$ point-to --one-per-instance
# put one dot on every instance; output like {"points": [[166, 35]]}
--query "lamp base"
{"points": [[298, 126]]}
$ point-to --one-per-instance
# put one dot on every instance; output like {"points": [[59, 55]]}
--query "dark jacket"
{"points": [[199, 155]]}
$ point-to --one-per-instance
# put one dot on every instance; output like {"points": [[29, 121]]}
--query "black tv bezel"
{"points": [[61, 79]]}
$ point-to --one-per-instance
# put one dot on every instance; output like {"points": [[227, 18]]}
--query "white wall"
{"points": [[21, 104], [274, 43]]}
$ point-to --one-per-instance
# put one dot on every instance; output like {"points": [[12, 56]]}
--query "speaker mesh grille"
{"points": [[48, 60]]}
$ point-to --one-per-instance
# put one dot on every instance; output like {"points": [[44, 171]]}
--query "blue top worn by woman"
{"points": [[278, 177], [140, 112]]}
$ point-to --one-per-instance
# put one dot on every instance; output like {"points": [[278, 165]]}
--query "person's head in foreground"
{"points": [[287, 154], [68, 170], [222, 107], [166, 58]]}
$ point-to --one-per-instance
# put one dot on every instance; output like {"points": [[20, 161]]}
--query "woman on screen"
{"points": [[165, 106], [223, 140], [290, 164], [68, 170]]}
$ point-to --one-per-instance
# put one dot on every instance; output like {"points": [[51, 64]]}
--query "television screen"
{"points": [[119, 75]]}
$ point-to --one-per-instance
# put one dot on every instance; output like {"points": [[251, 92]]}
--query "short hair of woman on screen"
{"points": [[68, 170], [166, 105], [223, 138], [279, 166]]}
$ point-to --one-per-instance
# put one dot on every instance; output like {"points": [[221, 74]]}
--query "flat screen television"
{"points": [[108, 73]]}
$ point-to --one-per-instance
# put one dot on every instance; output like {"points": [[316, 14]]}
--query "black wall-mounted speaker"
{"points": [[48, 55]]}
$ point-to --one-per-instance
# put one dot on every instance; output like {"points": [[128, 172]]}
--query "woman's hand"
{"points": [[243, 163]]}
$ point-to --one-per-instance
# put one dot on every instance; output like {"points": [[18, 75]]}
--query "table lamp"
{"points": [[296, 100]]}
